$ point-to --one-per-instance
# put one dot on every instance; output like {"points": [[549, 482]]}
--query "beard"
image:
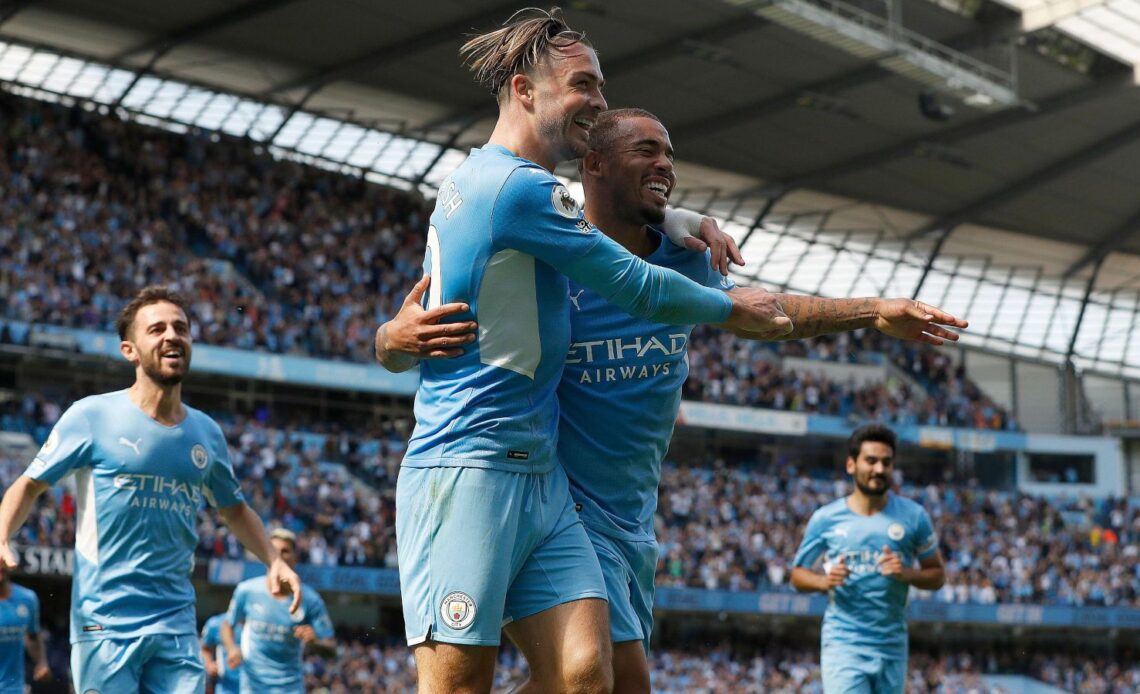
{"points": [[866, 488], [153, 371]]}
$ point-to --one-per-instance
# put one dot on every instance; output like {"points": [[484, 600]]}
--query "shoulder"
{"points": [[310, 595], [94, 404], [908, 507], [24, 594], [832, 508], [249, 585]]}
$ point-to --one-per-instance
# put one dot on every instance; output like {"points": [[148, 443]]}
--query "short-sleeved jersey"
{"points": [[271, 654], [869, 609], [19, 618], [228, 678], [139, 486], [619, 396], [504, 237]]}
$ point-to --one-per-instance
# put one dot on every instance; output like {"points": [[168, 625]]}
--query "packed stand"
{"points": [[737, 372], [92, 208]]}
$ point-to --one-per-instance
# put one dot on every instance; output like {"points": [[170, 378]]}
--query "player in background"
{"points": [[225, 679], [869, 541], [273, 638], [486, 529], [19, 629], [143, 462]]}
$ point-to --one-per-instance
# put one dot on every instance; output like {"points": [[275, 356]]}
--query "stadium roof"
{"points": [[979, 154]]}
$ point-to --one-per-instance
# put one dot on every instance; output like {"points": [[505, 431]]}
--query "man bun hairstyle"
{"points": [[519, 46], [876, 432], [153, 294]]}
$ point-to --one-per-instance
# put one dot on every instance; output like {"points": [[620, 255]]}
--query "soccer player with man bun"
{"points": [[869, 541], [143, 462], [486, 530]]}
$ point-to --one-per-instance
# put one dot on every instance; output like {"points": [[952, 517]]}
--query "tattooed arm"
{"points": [[902, 318]]}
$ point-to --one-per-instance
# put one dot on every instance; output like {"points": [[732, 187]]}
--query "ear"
{"points": [[593, 163], [127, 349], [521, 89], [850, 465]]}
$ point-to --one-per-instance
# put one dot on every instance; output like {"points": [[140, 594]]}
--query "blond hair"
{"points": [[519, 46]]}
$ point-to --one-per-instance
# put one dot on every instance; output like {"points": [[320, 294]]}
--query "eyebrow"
{"points": [[580, 74], [655, 143]]}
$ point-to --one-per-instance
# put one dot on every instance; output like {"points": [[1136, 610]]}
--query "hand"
{"points": [[305, 633], [757, 314], [907, 319], [418, 333], [283, 579], [211, 668], [42, 673], [723, 247], [8, 560], [838, 573], [891, 565], [233, 659]]}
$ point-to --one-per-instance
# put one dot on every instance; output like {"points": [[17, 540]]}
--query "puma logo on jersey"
{"points": [[574, 299], [133, 445]]}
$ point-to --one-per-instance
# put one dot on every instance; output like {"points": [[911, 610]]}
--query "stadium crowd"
{"points": [[771, 668], [93, 207]]}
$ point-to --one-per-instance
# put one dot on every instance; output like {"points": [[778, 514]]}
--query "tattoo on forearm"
{"points": [[814, 315]]}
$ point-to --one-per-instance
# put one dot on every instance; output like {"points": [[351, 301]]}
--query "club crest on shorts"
{"points": [[199, 456], [564, 204], [457, 610], [895, 531]]}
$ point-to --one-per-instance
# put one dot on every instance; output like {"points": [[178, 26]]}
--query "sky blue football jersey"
{"points": [[271, 654], [869, 609], [228, 678], [619, 396], [19, 617], [139, 486], [504, 237]]}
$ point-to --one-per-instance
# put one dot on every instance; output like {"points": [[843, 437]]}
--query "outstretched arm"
{"points": [[905, 319]]}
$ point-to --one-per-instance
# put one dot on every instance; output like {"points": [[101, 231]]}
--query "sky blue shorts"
{"points": [[862, 671], [628, 567], [480, 548], [152, 664]]}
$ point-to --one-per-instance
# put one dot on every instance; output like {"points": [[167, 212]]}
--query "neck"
{"points": [[866, 504], [161, 403], [633, 235], [523, 141]]}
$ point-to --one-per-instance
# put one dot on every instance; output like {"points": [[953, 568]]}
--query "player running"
{"points": [[19, 629], [273, 638], [143, 462], [869, 541], [226, 679], [486, 529]]}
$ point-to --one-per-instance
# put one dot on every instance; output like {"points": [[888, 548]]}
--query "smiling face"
{"points": [[566, 90], [159, 343], [872, 468], [634, 169]]}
